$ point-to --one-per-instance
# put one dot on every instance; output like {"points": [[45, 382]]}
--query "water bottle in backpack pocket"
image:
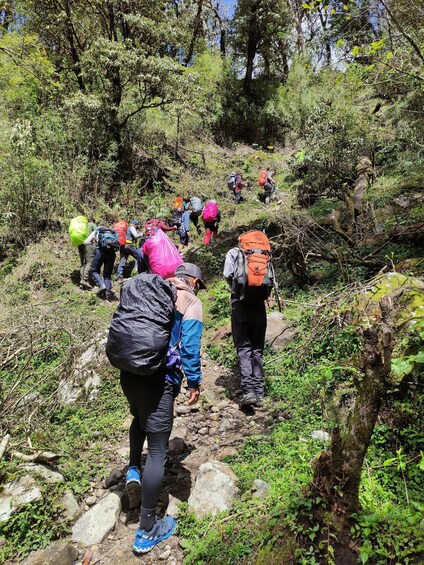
{"points": [[108, 240]]}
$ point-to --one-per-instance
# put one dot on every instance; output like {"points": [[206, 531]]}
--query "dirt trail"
{"points": [[211, 431]]}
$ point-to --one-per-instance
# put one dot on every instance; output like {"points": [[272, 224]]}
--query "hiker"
{"points": [[236, 185], [86, 253], [195, 205], [250, 275], [154, 224], [211, 217], [184, 229], [128, 249], [107, 244], [151, 396], [269, 186]]}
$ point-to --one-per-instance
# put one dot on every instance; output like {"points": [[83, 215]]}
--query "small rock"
{"points": [[172, 508], [113, 478], [68, 506], [214, 417], [260, 488], [320, 435], [182, 410], [214, 490], [49, 475], [59, 553], [227, 452], [177, 446], [90, 500], [225, 425], [223, 404], [165, 554], [2, 541], [203, 431], [214, 409], [195, 408]]}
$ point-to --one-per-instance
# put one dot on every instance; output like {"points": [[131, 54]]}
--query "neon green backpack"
{"points": [[78, 230]]}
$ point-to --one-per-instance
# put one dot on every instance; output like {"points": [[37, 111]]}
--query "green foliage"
{"points": [[33, 527]]}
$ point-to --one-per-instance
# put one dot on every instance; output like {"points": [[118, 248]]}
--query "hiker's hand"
{"points": [[194, 396]]}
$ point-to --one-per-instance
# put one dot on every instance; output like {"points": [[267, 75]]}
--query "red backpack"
{"points": [[151, 227], [121, 229], [262, 177]]}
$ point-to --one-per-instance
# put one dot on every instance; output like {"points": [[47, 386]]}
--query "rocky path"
{"points": [[209, 431]]}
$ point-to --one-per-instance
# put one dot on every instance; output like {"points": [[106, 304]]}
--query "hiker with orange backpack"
{"points": [[250, 275], [127, 246], [266, 180], [211, 217]]}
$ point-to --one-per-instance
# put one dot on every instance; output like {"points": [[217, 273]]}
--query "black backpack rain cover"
{"points": [[140, 329]]}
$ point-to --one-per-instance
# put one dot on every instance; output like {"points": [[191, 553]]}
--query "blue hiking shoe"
{"points": [[162, 530], [133, 487]]}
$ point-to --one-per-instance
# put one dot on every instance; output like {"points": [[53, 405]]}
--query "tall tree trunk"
{"points": [[73, 40], [252, 45], [297, 14], [196, 32], [337, 473]]}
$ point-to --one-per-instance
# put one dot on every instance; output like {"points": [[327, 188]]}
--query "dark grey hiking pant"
{"points": [[248, 326], [86, 253]]}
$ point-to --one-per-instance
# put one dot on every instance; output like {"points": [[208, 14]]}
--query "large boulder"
{"points": [[98, 522], [16, 494], [83, 384], [215, 489], [59, 553], [279, 332]]}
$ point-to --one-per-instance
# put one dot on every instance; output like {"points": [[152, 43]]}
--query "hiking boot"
{"points": [[111, 296], [162, 530], [259, 400], [133, 487], [248, 399], [101, 290]]}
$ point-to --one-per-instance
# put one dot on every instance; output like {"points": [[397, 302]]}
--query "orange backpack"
{"points": [[178, 203], [262, 177], [257, 251], [121, 229]]}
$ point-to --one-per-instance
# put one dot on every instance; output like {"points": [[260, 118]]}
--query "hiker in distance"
{"points": [[86, 253], [250, 275], [269, 186], [155, 339], [107, 244], [211, 217], [128, 249]]}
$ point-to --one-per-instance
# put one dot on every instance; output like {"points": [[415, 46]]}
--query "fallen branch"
{"points": [[39, 456]]}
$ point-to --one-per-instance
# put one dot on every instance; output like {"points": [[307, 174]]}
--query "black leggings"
{"points": [[157, 445], [151, 400]]}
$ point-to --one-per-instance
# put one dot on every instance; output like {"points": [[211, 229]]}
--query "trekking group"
{"points": [[98, 246], [155, 334]]}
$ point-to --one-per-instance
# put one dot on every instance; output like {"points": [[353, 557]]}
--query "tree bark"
{"points": [[337, 473], [252, 46], [196, 32]]}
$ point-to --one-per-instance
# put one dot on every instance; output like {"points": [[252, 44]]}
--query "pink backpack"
{"points": [[164, 257], [210, 212]]}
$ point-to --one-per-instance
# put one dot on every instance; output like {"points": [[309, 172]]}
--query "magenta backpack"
{"points": [[210, 212]]}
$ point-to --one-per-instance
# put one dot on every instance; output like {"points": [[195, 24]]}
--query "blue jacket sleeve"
{"points": [[191, 336]]}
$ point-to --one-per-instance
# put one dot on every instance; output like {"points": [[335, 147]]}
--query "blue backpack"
{"points": [[108, 240]]}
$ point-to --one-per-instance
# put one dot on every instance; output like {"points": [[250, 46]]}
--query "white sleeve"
{"points": [[90, 238], [230, 261]]}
